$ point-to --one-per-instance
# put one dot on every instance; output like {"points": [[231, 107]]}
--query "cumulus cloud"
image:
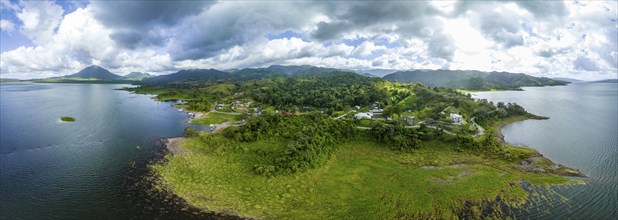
{"points": [[367, 48], [6, 25], [542, 38], [229, 24], [544, 9], [584, 63], [39, 20], [144, 23]]}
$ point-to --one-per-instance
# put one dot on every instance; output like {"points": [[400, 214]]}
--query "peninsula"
{"points": [[332, 143]]}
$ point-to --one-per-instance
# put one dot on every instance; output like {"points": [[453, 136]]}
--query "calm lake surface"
{"points": [[582, 133], [78, 170]]}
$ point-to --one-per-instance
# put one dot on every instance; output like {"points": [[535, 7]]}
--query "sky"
{"points": [[575, 39]]}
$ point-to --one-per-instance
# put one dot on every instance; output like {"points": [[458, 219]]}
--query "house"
{"points": [[376, 104], [378, 111], [456, 119], [408, 119], [363, 115]]}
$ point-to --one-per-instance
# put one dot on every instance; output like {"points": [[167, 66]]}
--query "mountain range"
{"points": [[471, 79], [457, 79]]}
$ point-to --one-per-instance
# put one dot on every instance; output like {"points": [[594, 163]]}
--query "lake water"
{"points": [[81, 169], [582, 133]]}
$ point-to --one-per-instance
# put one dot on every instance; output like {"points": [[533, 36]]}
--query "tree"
{"points": [[190, 132]]}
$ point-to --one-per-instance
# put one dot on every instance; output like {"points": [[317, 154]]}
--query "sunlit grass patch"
{"points": [[216, 118], [362, 180]]}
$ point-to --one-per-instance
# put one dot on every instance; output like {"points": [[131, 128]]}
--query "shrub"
{"points": [[190, 132]]}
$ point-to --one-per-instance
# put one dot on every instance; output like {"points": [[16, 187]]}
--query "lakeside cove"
{"points": [[437, 180]]}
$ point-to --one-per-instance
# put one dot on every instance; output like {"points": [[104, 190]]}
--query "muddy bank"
{"points": [[142, 189], [537, 163], [174, 145], [145, 188]]}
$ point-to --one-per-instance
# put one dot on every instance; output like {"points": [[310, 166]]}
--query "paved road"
{"points": [[481, 130], [341, 116]]}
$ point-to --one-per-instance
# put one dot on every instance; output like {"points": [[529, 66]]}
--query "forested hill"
{"points": [[184, 76], [471, 79], [334, 90], [237, 75], [607, 81], [458, 79]]}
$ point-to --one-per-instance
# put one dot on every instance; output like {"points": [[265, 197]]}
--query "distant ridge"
{"points": [[377, 72], [303, 69], [94, 72], [187, 76], [471, 79], [606, 81], [137, 75], [571, 80]]}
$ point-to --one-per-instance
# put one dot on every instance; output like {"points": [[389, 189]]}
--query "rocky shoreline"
{"points": [[145, 187], [174, 145], [537, 163]]}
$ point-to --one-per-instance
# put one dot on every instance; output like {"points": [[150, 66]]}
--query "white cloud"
{"points": [[367, 48], [488, 36], [6, 25], [39, 19]]}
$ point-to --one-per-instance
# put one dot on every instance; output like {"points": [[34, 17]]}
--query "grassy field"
{"points": [[362, 180], [216, 118], [364, 122]]}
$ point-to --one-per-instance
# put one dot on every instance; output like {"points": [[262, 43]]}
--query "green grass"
{"points": [[67, 119], [362, 180], [223, 88], [216, 118], [269, 109], [364, 122]]}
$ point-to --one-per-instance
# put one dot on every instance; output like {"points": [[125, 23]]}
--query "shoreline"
{"points": [[146, 183], [536, 163], [174, 145]]}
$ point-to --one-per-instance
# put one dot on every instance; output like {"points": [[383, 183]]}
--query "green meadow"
{"points": [[216, 118], [361, 180]]}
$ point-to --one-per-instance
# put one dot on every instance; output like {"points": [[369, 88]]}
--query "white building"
{"points": [[363, 115], [456, 119], [408, 119]]}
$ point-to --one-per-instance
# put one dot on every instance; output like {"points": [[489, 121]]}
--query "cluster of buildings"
{"points": [[234, 106], [371, 115]]}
